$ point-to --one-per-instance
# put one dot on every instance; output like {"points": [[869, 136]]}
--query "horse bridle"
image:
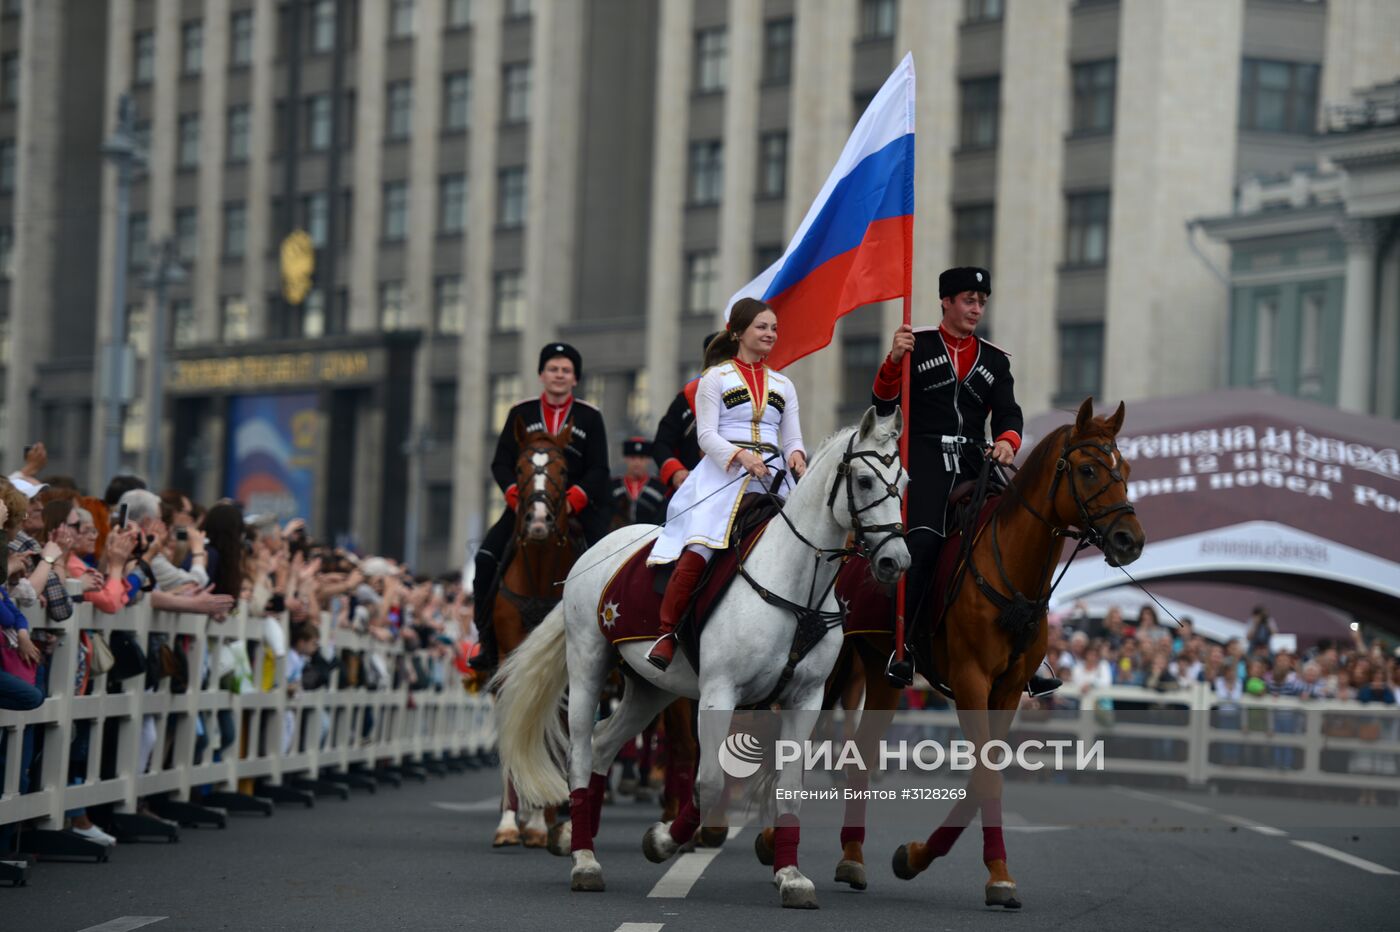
{"points": [[843, 471], [553, 490], [1091, 533]]}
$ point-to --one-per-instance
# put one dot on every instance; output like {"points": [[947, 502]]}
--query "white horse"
{"points": [[853, 483]]}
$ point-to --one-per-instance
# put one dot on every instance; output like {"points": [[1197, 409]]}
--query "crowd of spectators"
{"points": [[66, 546]]}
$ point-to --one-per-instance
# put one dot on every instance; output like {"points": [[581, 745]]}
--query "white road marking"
{"points": [[676, 882], [481, 805], [1345, 858], [640, 927], [1255, 826], [125, 924], [1015, 822], [1164, 800]]}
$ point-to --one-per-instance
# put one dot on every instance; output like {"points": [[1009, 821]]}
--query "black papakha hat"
{"points": [[555, 350], [966, 278], [636, 446]]}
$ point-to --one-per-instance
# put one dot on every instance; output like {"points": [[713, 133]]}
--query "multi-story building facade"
{"points": [[480, 176]]}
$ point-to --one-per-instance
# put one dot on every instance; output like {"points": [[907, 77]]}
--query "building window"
{"points": [[981, 11], [1094, 96], [187, 234], [400, 19], [143, 58], [711, 59], [235, 230], [9, 79], [452, 204], [510, 205], [456, 101], [399, 122], [313, 314], [139, 240], [765, 256], [860, 356], [233, 322], [508, 302], [7, 259], [1081, 362], [706, 172], [1265, 333], [137, 327], [1086, 228], [391, 305], [777, 51], [188, 156], [141, 135], [323, 26], [519, 9], [981, 111], [183, 332], [877, 19], [505, 394], [515, 93], [316, 217], [395, 211], [1278, 96], [459, 13], [192, 48], [240, 45], [449, 304], [1310, 337], [772, 164], [443, 416], [7, 166], [439, 511], [318, 123], [974, 230], [701, 279], [239, 128]]}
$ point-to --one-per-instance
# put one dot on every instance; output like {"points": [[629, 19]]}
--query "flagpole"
{"points": [[905, 386]]}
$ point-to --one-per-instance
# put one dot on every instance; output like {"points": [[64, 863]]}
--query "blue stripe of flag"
{"points": [[879, 187]]}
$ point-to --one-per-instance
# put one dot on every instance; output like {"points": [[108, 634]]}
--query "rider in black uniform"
{"points": [[638, 497]]}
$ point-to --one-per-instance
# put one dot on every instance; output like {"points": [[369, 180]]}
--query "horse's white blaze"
{"points": [[539, 482], [540, 459]]}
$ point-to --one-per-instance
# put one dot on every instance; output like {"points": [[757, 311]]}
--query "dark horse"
{"points": [[540, 555], [993, 634]]}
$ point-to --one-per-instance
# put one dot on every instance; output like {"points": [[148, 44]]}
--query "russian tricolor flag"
{"points": [[855, 246]]}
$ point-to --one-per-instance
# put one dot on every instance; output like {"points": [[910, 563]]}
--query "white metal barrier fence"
{"points": [[337, 727], [1192, 735]]}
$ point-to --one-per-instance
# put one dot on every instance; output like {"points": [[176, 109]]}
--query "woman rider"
{"points": [[745, 418]]}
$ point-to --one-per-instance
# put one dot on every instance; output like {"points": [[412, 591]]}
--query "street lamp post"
{"points": [[114, 388], [165, 271]]}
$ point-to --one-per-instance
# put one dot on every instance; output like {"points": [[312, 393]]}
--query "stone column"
{"points": [[1030, 201], [256, 265], [668, 176], [820, 124], [1356, 367], [369, 159], [212, 133], [1388, 331], [1362, 50], [423, 167], [551, 189], [740, 151], [471, 454]]}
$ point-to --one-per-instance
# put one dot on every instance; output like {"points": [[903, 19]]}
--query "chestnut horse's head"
{"points": [[1089, 490], [541, 478]]}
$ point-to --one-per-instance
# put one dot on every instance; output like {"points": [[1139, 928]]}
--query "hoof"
{"points": [[505, 837], [797, 891], [851, 872], [712, 836], [1001, 893], [561, 837], [535, 838], [763, 849], [902, 869], [657, 843], [587, 875]]}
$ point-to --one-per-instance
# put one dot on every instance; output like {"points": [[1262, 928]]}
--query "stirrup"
{"points": [[900, 673], [658, 660], [1041, 686]]}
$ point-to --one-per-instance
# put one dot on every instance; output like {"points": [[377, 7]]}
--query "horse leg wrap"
{"points": [[785, 837], [993, 844], [943, 837], [680, 783], [512, 800], [597, 786], [686, 823], [853, 833], [581, 819]]}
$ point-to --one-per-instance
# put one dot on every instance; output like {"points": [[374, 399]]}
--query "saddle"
{"points": [[629, 608]]}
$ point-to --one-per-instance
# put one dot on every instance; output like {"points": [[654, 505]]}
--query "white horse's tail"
{"points": [[532, 734]]}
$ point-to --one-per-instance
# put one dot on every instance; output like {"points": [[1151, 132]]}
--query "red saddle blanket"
{"points": [[630, 607], [870, 605]]}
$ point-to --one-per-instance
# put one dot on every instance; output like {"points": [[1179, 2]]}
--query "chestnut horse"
{"points": [[539, 557], [1072, 484]]}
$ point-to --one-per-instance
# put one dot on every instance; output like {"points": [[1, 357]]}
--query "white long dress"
{"points": [[728, 420]]}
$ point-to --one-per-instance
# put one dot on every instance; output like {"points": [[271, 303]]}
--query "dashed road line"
{"points": [[677, 881], [1253, 826], [125, 923], [1345, 858], [640, 927], [481, 805]]}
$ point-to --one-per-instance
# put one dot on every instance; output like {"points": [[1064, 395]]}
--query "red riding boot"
{"points": [[678, 591]]}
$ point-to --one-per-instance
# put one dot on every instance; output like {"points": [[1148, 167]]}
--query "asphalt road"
{"points": [[420, 858]]}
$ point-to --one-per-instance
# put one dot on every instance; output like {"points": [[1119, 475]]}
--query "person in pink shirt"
{"points": [[106, 587]]}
